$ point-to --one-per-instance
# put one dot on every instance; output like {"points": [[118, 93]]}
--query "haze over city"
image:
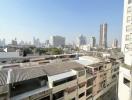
{"points": [[25, 19], [66, 50]]}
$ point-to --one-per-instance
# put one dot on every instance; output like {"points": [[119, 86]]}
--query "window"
{"points": [[129, 1], [88, 92], [64, 80], [126, 46], [82, 84], [82, 94], [128, 28], [81, 73], [129, 9], [71, 89], [127, 37], [113, 76], [126, 82], [46, 98], [58, 95], [129, 19], [27, 85], [73, 99], [89, 70], [100, 68], [89, 82]]}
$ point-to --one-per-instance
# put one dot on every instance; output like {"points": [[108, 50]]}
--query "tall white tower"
{"points": [[125, 75]]}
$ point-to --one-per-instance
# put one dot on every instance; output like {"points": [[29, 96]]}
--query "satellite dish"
{"points": [[5, 49]]}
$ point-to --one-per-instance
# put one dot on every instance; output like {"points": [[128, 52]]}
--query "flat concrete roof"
{"points": [[20, 73], [61, 67]]}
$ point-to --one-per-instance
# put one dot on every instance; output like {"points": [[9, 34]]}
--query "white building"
{"points": [[57, 41], [125, 76]]}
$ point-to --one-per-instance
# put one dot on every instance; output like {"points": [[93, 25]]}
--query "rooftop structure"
{"points": [[57, 79]]}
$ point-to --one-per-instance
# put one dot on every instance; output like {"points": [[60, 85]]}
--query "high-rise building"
{"points": [[2, 42], [115, 43], [14, 42], [103, 36], [81, 40], [57, 41], [125, 75], [91, 41]]}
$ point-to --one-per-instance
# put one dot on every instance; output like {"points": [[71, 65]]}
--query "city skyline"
{"points": [[43, 19]]}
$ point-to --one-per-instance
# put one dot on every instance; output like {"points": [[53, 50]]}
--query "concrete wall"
{"points": [[9, 54], [124, 90]]}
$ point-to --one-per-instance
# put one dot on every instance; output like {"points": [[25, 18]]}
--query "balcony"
{"points": [[3, 89], [89, 92], [89, 82], [71, 89]]}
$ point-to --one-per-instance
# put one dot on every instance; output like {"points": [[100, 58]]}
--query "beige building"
{"points": [[83, 79]]}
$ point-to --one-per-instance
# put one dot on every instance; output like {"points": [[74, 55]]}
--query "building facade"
{"points": [[103, 36], [125, 76], [85, 79]]}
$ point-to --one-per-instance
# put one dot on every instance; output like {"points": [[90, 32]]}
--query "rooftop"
{"points": [[57, 68], [96, 64], [16, 74], [126, 66]]}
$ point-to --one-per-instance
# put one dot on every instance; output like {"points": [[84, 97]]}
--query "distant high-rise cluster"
{"points": [[86, 43], [103, 36], [83, 40]]}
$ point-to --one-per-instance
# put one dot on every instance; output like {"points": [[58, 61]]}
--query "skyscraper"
{"points": [[2, 42], [125, 75], [115, 43], [81, 40], [57, 41], [103, 36], [91, 41]]}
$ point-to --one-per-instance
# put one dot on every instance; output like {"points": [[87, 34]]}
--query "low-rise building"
{"points": [[85, 79]]}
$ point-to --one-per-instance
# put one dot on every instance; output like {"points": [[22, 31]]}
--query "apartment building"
{"points": [[125, 75], [83, 79], [24, 83], [104, 78]]}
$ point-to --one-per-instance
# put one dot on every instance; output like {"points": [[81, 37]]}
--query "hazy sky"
{"points": [[24, 19]]}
